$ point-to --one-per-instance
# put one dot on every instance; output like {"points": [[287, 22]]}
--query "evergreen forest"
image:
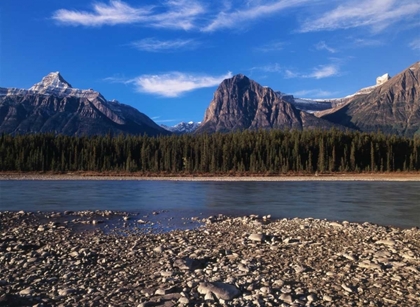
{"points": [[269, 152]]}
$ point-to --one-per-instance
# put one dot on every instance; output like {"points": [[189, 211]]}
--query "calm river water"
{"points": [[385, 203]]}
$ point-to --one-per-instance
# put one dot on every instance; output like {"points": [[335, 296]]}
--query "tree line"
{"points": [[247, 152]]}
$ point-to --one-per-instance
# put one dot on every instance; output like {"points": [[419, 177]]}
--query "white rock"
{"points": [[256, 237], [220, 290]]}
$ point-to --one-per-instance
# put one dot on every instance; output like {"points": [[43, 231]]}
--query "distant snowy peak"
{"points": [[54, 84], [183, 127], [367, 90], [53, 105], [314, 105], [52, 80]]}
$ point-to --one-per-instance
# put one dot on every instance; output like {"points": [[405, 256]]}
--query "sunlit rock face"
{"points": [[240, 103]]}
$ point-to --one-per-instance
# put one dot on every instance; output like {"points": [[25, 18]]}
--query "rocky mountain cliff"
{"points": [[240, 103], [53, 105], [392, 106]]}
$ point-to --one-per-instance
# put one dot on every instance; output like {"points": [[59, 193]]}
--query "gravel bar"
{"points": [[222, 261]]}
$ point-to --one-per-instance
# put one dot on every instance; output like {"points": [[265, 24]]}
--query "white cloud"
{"points": [[273, 46], [174, 14], [319, 72], [323, 46], [160, 121], [155, 45], [180, 14], [362, 42], [315, 93], [253, 10], [176, 83], [323, 71], [268, 68], [288, 74], [376, 14], [210, 16], [415, 44], [116, 79]]}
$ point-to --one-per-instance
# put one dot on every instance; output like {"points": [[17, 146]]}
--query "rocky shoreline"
{"points": [[244, 261]]}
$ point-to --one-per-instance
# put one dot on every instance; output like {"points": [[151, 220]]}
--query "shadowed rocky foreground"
{"points": [[246, 261]]}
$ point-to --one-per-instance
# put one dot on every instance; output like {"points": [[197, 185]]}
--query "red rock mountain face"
{"points": [[240, 103], [392, 108], [53, 106]]}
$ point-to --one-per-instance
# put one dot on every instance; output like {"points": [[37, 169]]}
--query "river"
{"points": [[385, 203]]}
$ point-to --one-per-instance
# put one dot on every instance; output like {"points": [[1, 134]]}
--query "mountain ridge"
{"points": [[239, 103], [392, 107], [53, 105]]}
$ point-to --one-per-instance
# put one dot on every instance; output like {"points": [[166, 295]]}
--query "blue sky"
{"points": [[167, 57]]}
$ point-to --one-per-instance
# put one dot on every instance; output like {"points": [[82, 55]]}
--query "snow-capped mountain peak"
{"points": [[54, 84], [52, 80]]}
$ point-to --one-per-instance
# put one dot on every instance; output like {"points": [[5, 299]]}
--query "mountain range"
{"points": [[239, 103], [183, 127], [54, 106]]}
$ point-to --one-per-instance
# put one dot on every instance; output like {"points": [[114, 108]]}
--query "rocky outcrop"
{"points": [[52, 105], [392, 107], [240, 103]]}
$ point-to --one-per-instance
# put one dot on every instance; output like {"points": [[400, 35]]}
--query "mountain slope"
{"points": [[392, 107], [240, 103], [52, 105]]}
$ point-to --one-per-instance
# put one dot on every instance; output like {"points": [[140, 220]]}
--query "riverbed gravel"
{"points": [[223, 261]]}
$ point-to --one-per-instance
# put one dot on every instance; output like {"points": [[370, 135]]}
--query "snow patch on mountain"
{"points": [[51, 81], [55, 85], [183, 127], [310, 105]]}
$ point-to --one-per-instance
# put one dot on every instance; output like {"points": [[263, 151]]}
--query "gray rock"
{"points": [[65, 291], [220, 290]]}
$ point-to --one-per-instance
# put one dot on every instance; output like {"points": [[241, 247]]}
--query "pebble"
{"points": [[241, 261], [220, 290], [256, 237]]}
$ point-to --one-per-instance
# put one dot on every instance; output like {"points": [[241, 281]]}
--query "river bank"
{"points": [[289, 177], [244, 261]]}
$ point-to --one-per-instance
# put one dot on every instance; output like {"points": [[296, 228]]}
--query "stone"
{"points": [[370, 265], [221, 290], [256, 237], [386, 242], [287, 298], [65, 291], [27, 291], [311, 297], [158, 249], [347, 288], [327, 298], [183, 300]]}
